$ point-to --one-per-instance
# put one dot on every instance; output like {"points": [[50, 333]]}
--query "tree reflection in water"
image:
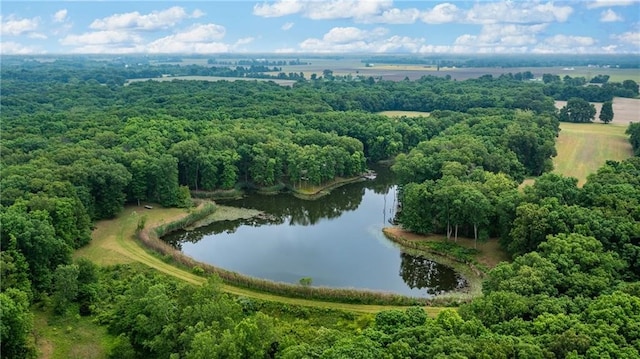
{"points": [[420, 272], [336, 239]]}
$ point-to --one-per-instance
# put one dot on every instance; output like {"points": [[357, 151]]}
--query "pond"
{"points": [[336, 240]]}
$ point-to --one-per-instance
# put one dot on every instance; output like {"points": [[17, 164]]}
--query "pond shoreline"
{"points": [[312, 193], [471, 273], [151, 238]]}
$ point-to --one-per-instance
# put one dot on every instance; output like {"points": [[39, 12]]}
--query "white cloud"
{"points": [[344, 9], [382, 11], [339, 35], [495, 35], [632, 38], [170, 44], [610, 16], [566, 41], [277, 9], [135, 21], [609, 3], [287, 26], [287, 50], [567, 44], [442, 13], [102, 49], [14, 48], [14, 26], [37, 36], [517, 12], [458, 49], [60, 16], [352, 39], [396, 16], [101, 38], [361, 10], [244, 41], [197, 13], [201, 33], [200, 38]]}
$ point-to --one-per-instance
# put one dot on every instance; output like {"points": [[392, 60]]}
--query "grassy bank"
{"points": [[151, 239], [114, 241]]}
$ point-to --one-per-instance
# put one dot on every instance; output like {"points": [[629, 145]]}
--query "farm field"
{"points": [[355, 67], [625, 110], [585, 147], [209, 78]]}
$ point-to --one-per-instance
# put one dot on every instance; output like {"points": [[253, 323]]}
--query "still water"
{"points": [[336, 240]]}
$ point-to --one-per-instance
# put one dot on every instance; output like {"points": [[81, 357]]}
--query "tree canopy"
{"points": [[79, 142]]}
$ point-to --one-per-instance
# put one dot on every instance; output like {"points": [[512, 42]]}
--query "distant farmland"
{"points": [[585, 147], [210, 78], [396, 72]]}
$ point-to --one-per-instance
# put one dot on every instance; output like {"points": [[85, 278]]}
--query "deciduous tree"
{"points": [[606, 112]]}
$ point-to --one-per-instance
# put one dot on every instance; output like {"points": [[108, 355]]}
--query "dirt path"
{"points": [[114, 242]]}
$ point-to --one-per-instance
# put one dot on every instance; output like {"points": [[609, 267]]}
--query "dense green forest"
{"points": [[78, 144]]}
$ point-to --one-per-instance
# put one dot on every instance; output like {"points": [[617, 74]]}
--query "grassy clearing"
{"points": [[404, 113], [114, 242], [585, 147], [69, 337]]}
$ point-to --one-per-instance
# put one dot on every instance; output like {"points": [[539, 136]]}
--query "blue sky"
{"points": [[325, 26]]}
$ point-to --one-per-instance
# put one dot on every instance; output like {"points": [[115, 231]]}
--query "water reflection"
{"points": [[336, 240], [419, 272]]}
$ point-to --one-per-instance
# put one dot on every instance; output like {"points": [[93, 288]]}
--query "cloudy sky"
{"points": [[320, 26]]}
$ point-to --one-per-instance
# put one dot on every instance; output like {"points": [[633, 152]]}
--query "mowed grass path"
{"points": [[585, 147], [114, 242]]}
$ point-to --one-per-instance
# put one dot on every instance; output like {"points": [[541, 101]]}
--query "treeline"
{"points": [[253, 62], [116, 73], [598, 89], [511, 60]]}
